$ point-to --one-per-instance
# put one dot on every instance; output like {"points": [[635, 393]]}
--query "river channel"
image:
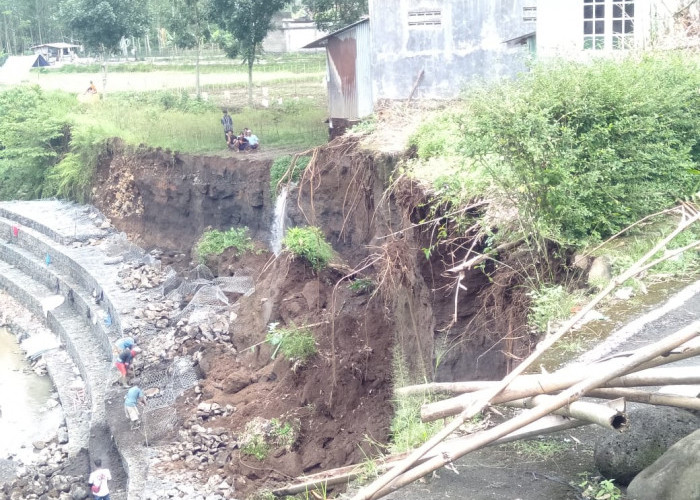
{"points": [[29, 408]]}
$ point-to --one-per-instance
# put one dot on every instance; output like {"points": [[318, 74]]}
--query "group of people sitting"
{"points": [[245, 141]]}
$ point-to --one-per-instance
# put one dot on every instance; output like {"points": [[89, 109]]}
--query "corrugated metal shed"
{"points": [[349, 66]]}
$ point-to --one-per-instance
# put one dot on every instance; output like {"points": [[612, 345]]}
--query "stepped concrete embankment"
{"points": [[62, 264]]}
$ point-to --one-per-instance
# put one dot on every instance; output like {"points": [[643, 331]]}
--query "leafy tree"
{"points": [[100, 26], [246, 23], [188, 26], [331, 15]]}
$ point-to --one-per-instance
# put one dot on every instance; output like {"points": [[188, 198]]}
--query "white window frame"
{"points": [[598, 32]]}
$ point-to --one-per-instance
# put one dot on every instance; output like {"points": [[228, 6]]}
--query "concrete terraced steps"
{"points": [[78, 339], [76, 272]]}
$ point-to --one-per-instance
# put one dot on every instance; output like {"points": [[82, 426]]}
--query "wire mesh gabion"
{"points": [[159, 417]]}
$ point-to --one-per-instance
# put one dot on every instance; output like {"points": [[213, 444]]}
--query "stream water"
{"points": [[277, 231], [29, 413]]}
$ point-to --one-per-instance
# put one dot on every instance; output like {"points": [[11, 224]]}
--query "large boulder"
{"points": [[674, 476], [652, 431]]}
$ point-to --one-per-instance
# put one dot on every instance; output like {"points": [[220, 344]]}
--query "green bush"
{"points": [[33, 136], [295, 344], [72, 177], [309, 244], [256, 447], [582, 150], [438, 137], [281, 166], [215, 242], [549, 303]]}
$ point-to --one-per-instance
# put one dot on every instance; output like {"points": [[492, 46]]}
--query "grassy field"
{"points": [[181, 123], [154, 103]]}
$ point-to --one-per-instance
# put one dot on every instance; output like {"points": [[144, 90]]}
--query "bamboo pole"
{"points": [[480, 439], [475, 407], [341, 475], [543, 384], [605, 416], [688, 350], [652, 398]]}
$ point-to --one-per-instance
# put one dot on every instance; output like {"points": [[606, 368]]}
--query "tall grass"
{"points": [[201, 132]]}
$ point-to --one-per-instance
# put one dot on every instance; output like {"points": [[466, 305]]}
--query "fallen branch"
{"points": [[480, 439], [687, 350]]}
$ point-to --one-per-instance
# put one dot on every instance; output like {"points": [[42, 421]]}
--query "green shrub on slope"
{"points": [[584, 150]]}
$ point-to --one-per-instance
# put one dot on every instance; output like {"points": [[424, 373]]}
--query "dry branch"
{"points": [[482, 256], [688, 350], [480, 439]]}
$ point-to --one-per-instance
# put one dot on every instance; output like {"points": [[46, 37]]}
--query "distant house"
{"points": [[291, 35], [584, 28], [424, 49], [58, 52]]}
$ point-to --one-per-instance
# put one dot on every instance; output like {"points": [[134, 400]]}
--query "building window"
{"points": [[529, 14], [623, 24], [418, 18], [608, 24]]}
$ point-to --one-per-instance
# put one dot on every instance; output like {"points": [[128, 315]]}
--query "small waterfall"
{"points": [[278, 222]]}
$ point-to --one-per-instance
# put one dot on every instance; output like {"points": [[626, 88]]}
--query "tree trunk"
{"points": [[251, 60], [196, 68], [104, 73]]}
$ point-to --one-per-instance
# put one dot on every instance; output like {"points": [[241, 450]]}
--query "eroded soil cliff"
{"points": [[342, 397]]}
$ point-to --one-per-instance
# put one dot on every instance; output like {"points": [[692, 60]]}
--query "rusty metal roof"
{"points": [[322, 42]]}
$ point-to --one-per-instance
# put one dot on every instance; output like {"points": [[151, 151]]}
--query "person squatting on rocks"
{"points": [[98, 481], [123, 364], [227, 122], [133, 397]]}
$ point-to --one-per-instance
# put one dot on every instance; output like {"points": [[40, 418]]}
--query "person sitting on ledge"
{"points": [[242, 142], [253, 141]]}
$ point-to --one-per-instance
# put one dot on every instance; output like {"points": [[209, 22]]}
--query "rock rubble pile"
{"points": [[46, 479], [139, 277]]}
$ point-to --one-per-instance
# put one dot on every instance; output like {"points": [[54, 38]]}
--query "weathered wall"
{"points": [[167, 200], [466, 45]]}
